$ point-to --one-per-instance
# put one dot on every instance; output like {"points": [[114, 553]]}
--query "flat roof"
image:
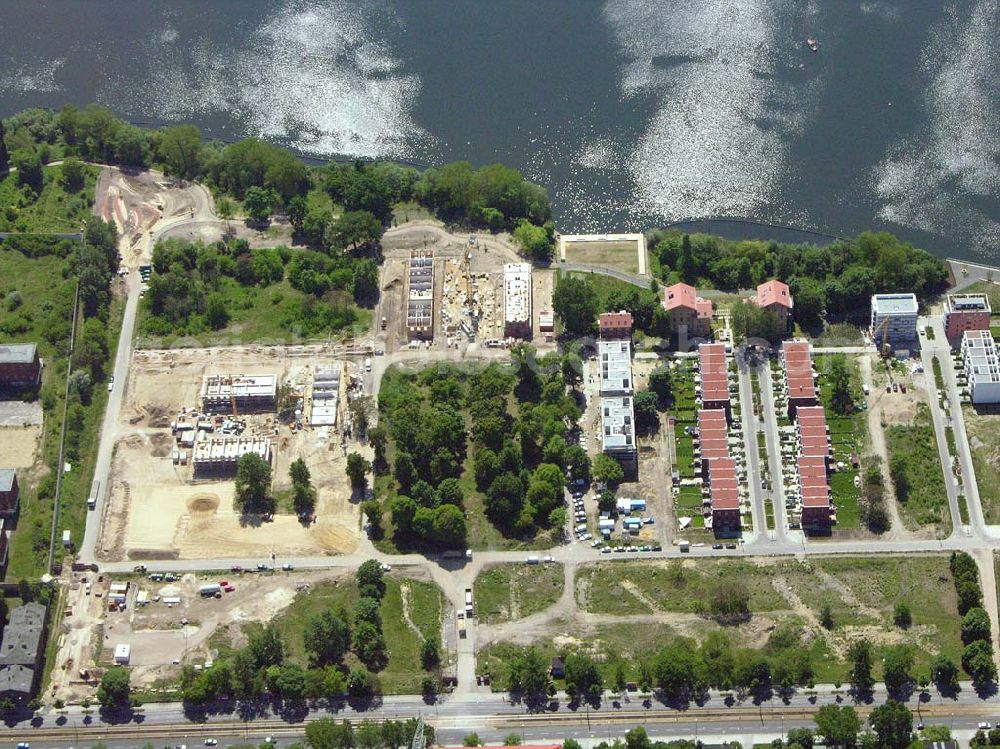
{"points": [[17, 353], [7, 476], [517, 292], [615, 358], [895, 304], [615, 322], [980, 354], [967, 303], [230, 449], [239, 386], [617, 423], [22, 637]]}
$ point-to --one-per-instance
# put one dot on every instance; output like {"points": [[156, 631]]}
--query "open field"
{"points": [[197, 520], [621, 255], [983, 430], [926, 502], [506, 592], [411, 612]]}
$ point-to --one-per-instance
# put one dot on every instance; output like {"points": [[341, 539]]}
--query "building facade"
{"points": [[798, 380], [20, 366], [614, 325], [894, 319], [964, 312], [239, 394], [982, 368], [775, 297], [10, 493], [690, 315]]}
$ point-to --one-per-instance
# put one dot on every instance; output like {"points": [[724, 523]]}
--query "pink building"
{"points": [[774, 296], [688, 311]]}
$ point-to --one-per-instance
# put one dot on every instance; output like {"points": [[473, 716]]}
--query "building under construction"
{"points": [[325, 396], [420, 295], [218, 456], [239, 394], [517, 300]]}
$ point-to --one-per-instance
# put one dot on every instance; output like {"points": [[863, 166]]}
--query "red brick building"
{"points": [[964, 312], [20, 366], [9, 492], [615, 325]]}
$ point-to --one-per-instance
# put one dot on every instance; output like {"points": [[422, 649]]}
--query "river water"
{"points": [[633, 112]]}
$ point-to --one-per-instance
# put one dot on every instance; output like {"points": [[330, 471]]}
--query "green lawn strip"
{"points": [[926, 503], [500, 590], [984, 442], [403, 672], [848, 434]]}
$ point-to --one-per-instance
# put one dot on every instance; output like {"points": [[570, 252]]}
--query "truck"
{"points": [[468, 601], [368, 364], [533, 559], [209, 590], [461, 626], [95, 493]]}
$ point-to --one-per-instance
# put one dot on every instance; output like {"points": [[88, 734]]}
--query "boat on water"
{"points": [[812, 44]]}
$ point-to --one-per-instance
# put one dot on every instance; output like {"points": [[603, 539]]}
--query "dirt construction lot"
{"points": [[20, 428], [157, 511]]}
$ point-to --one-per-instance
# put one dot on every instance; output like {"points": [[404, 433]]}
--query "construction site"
{"points": [[190, 416], [445, 291]]}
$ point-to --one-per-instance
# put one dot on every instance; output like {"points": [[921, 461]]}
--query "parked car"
{"points": [[111, 383], [716, 546], [236, 568]]}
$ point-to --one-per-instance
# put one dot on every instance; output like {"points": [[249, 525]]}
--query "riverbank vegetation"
{"points": [[38, 292], [337, 206], [475, 455], [837, 280]]}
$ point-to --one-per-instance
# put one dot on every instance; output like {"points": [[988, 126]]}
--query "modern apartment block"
{"points": [[894, 319], [615, 360], [982, 368], [239, 394], [617, 410], [964, 312], [219, 456], [420, 295], [517, 300]]}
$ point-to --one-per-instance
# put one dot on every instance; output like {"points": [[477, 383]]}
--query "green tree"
{"points": [[430, 655], [975, 626], [896, 666], [253, 485], [266, 647], [838, 725], [536, 241], [977, 660], [730, 601], [326, 733], [661, 384], [572, 370], [647, 416], [840, 384], [73, 174], [575, 302], [860, 656], [901, 615], [113, 691], [449, 526], [369, 644], [899, 473], [583, 676], [944, 672], [529, 673], [370, 577], [357, 468], [826, 616], [327, 638], [893, 724], [606, 470], [357, 228], [4, 153], [258, 202], [471, 740], [180, 150], [810, 302]]}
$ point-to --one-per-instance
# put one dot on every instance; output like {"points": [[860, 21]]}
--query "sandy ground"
{"points": [[542, 284], [195, 520], [18, 445]]}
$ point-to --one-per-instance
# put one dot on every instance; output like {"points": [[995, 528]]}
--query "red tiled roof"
{"points": [[615, 321], [723, 485], [798, 370], [773, 292], [679, 295], [714, 377]]}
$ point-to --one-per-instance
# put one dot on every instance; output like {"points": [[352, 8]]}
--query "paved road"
{"points": [[773, 443], [750, 431]]}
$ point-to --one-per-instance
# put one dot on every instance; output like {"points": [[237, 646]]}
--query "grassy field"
{"points": [[984, 440], [848, 435], [257, 315], [837, 334], [506, 592], [861, 592], [927, 502], [423, 604], [620, 255]]}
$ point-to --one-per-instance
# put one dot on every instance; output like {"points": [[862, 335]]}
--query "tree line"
{"points": [[266, 178]]}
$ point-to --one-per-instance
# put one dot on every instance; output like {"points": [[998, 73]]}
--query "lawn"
{"points": [[848, 436], [983, 430], [403, 635], [620, 255], [839, 334], [505, 592], [927, 501]]}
